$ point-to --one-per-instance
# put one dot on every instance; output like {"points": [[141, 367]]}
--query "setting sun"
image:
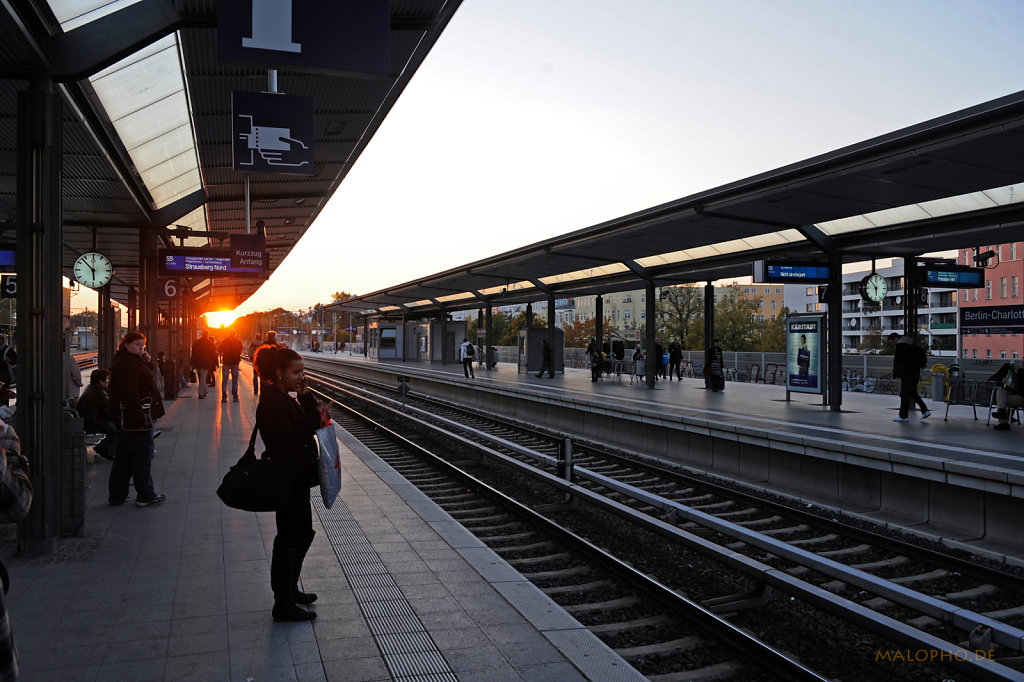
{"points": [[221, 318]]}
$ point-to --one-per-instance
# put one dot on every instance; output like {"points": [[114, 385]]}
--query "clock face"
{"points": [[874, 288], [93, 270]]}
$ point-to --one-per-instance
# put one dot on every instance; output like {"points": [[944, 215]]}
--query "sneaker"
{"points": [[234, 398], [900, 419], [1002, 426], [926, 414], [202, 397], [148, 503], [118, 503]]}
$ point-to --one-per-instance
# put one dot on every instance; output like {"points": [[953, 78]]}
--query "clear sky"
{"points": [[532, 118]]}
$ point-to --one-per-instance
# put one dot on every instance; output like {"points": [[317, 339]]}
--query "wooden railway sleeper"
{"points": [[754, 598]]}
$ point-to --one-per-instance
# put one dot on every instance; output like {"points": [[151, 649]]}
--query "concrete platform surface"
{"points": [[181, 591]]}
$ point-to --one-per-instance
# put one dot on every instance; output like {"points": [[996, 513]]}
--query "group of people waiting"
{"points": [[667, 363], [207, 355]]}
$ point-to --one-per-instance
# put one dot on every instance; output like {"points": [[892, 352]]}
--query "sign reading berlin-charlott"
{"points": [[996, 319]]}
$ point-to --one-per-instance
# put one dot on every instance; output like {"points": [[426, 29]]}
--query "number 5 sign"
{"points": [[168, 289]]}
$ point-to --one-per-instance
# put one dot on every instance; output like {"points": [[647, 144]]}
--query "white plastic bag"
{"points": [[330, 464]]}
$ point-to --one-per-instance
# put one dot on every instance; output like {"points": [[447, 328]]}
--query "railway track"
{"points": [[922, 598]]}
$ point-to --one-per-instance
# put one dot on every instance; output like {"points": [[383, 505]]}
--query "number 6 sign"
{"points": [[167, 290]]}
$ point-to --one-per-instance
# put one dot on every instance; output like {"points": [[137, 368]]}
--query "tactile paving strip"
{"points": [[405, 644]]}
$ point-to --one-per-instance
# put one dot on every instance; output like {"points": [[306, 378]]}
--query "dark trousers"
{"points": [[673, 366], [133, 461], [294, 536], [467, 368], [108, 446], [547, 366], [909, 395]]}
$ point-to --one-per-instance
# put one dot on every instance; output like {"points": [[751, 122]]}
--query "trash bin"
{"points": [[939, 375]]}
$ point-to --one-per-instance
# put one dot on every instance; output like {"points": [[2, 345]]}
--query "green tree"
{"points": [[772, 338], [680, 313], [340, 296], [579, 333], [510, 335], [736, 323]]}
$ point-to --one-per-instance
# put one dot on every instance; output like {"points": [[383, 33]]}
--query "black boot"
{"points": [[300, 596], [282, 582]]}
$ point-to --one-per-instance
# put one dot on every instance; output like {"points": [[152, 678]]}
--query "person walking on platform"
{"points": [[94, 408], [134, 397], [546, 360], [466, 356], [230, 355], [908, 359], [287, 425], [675, 359], [204, 355]]}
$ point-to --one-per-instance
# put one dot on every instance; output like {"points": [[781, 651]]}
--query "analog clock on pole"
{"points": [[93, 270]]}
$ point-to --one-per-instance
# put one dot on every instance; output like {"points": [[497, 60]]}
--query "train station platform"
{"points": [[958, 482], [181, 591]]}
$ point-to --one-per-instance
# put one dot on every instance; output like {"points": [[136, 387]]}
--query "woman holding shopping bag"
{"points": [[288, 415]]}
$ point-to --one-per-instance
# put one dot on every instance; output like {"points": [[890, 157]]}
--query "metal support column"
{"points": [[910, 297], [709, 328], [488, 343], [551, 335], [599, 323], [834, 347], [40, 304], [366, 337], [444, 338], [649, 329], [133, 304], [402, 338], [106, 334]]}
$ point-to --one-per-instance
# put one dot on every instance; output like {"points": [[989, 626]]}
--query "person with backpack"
{"points": [[466, 353], [908, 360], [1009, 395]]}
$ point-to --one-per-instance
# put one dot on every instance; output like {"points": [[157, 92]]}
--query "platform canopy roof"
{"points": [[147, 126], [952, 182]]}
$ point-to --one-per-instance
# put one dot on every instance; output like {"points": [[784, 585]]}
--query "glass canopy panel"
{"points": [[456, 297], [504, 288], [144, 97], [962, 203], [194, 221], [610, 269], [74, 13]]}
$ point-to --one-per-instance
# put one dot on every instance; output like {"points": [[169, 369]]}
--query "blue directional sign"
{"points": [[332, 36], [272, 133], [954, 276], [790, 272]]}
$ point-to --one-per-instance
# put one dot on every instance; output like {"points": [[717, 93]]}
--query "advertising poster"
{"points": [[804, 344]]}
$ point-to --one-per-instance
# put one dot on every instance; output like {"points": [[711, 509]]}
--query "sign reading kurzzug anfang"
{"points": [[996, 319], [248, 251]]}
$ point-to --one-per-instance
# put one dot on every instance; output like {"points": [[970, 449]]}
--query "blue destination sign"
{"points": [[199, 262], [785, 272], [7, 259], [954, 276]]}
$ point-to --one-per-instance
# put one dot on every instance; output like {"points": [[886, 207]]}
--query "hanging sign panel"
{"points": [[993, 319], [953, 276], [804, 356], [272, 133], [197, 262], [790, 272], [248, 251], [330, 36]]}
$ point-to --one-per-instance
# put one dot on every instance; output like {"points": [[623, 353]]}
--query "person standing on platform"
{"points": [[716, 365], [288, 416], [204, 355], [466, 357], [230, 355], [675, 359], [594, 356], [133, 396], [94, 407], [15, 501], [257, 341], [546, 360], [72, 376], [1009, 395], [908, 359]]}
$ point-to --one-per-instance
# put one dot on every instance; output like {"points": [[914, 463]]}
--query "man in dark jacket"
{"points": [[94, 408], [230, 355], [204, 356], [907, 361]]}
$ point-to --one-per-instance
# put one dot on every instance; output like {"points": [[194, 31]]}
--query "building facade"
{"points": [[1003, 275]]}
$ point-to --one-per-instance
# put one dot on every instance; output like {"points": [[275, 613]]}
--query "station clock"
{"points": [[93, 270], [873, 288]]}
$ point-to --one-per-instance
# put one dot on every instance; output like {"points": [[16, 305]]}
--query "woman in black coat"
{"points": [[135, 403], [287, 425]]}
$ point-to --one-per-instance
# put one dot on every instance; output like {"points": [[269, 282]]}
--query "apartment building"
{"points": [[1004, 272]]}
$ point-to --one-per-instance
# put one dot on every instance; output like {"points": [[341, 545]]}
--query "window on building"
{"points": [[1015, 286], [975, 292], [974, 353], [988, 353], [988, 290], [760, 318], [1002, 287], [767, 290], [774, 302], [1013, 251], [778, 290], [627, 298], [809, 309], [626, 314], [760, 304], [643, 314], [1016, 355], [1002, 355], [810, 291]]}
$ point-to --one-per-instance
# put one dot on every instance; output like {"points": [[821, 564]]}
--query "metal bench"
{"points": [[973, 393]]}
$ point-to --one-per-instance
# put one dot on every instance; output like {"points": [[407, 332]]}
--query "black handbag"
{"points": [[254, 485]]}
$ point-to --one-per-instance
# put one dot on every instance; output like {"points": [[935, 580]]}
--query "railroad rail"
{"points": [[752, 546]]}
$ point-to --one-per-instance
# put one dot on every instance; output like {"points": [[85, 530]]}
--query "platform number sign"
{"points": [[9, 286], [168, 289]]}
